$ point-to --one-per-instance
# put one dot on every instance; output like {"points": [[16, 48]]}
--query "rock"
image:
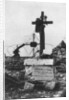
{"points": [[28, 85], [50, 85]]}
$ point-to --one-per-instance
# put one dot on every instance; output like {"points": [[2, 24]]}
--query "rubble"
{"points": [[29, 90]]}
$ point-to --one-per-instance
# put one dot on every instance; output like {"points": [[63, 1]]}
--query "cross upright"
{"points": [[40, 25]]}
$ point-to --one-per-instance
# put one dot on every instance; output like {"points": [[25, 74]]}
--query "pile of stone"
{"points": [[59, 52], [59, 55]]}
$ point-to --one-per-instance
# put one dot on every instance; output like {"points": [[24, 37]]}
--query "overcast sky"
{"points": [[20, 14]]}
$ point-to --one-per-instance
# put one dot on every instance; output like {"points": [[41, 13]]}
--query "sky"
{"points": [[18, 23]]}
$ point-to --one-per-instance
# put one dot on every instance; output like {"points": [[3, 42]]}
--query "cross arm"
{"points": [[48, 22], [33, 22]]}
